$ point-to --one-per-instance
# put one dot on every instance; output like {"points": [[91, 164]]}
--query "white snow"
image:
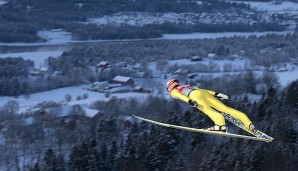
{"points": [[29, 121], [287, 77], [2, 2], [55, 36], [2, 140]]}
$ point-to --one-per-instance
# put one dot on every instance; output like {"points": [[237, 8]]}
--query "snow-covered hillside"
{"points": [[58, 96], [282, 7], [144, 18]]}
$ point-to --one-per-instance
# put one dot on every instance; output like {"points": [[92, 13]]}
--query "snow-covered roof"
{"points": [[103, 63], [119, 78]]}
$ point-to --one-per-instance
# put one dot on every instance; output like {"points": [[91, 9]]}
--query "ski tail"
{"points": [[240, 124]]}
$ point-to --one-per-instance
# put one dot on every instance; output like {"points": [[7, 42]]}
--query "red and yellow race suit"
{"points": [[206, 101]]}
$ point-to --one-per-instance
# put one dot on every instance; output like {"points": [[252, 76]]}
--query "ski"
{"points": [[202, 130], [238, 123]]}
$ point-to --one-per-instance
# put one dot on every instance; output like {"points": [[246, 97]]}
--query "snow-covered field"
{"points": [[55, 36], [37, 57], [286, 78]]}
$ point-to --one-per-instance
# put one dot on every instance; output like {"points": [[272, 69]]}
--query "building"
{"points": [[196, 58], [103, 65], [123, 80]]}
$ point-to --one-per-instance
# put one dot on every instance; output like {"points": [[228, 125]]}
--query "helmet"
{"points": [[171, 84]]}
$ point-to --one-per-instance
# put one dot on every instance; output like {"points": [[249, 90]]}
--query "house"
{"points": [[196, 58], [211, 55], [141, 89], [127, 121], [192, 75], [137, 66], [123, 80], [103, 65], [98, 86], [181, 71], [38, 72]]}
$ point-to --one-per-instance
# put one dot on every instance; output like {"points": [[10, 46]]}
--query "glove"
{"points": [[222, 96], [193, 103]]}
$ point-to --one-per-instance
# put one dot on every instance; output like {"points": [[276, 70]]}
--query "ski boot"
{"points": [[216, 128], [252, 128]]}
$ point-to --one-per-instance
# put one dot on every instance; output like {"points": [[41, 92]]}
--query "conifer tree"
{"points": [[249, 82], [60, 162], [102, 157], [292, 94], [74, 160], [35, 168], [93, 157], [49, 161], [112, 155]]}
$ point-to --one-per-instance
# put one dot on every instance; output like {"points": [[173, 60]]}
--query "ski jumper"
{"points": [[206, 101]]}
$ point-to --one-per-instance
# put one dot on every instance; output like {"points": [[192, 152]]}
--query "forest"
{"points": [[104, 142]]}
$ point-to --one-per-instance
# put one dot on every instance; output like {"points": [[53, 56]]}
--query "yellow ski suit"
{"points": [[206, 100]]}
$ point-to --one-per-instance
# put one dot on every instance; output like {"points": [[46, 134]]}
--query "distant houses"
{"points": [[119, 84]]}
